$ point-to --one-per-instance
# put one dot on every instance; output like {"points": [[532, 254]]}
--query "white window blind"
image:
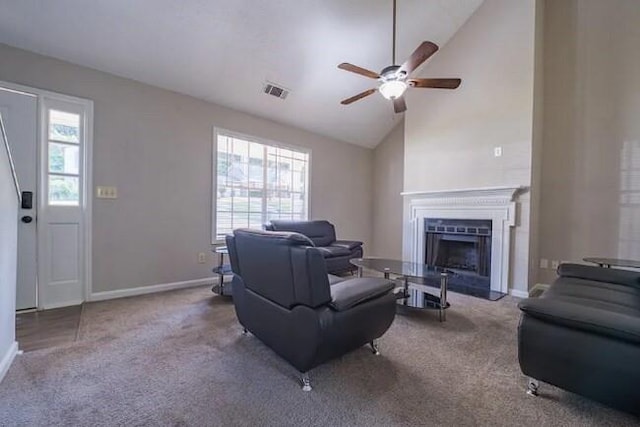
{"points": [[257, 181]]}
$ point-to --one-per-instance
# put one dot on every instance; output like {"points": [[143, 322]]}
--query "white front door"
{"points": [[63, 207], [50, 139], [20, 116]]}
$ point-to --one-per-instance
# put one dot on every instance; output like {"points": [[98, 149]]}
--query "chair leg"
{"points": [[374, 347], [532, 387], [306, 382]]}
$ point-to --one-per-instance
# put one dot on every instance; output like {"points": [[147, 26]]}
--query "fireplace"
{"points": [[503, 207], [462, 246]]}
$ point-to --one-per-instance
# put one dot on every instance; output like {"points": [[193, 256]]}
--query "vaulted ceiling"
{"points": [[223, 51]]}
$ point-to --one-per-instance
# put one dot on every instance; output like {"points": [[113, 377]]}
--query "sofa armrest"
{"points": [[352, 292], [349, 244], [582, 317]]}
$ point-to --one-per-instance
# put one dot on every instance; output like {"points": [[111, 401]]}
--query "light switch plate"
{"points": [[497, 151], [106, 192]]}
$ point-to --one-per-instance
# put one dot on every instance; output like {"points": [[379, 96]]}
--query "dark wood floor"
{"points": [[50, 328]]}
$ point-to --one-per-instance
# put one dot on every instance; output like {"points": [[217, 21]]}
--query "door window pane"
{"points": [[64, 126], [64, 158], [64, 190]]}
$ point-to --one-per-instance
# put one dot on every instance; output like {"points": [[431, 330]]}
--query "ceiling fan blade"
{"points": [[357, 97], [435, 83], [358, 70], [399, 105], [421, 54]]}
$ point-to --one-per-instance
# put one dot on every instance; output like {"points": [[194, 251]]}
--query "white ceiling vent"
{"points": [[275, 90]]}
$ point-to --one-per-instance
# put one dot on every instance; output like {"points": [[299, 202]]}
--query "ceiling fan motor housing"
{"points": [[392, 72]]}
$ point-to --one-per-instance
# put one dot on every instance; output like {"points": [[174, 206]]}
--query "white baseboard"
{"points": [[142, 290], [518, 293], [7, 359]]}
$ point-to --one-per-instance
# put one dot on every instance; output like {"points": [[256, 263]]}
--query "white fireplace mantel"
{"points": [[483, 195], [497, 204]]}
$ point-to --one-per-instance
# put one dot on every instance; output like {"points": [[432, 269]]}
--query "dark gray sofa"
{"points": [[583, 335], [282, 295], [336, 253]]}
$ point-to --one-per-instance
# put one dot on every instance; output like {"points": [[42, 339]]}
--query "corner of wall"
{"points": [[537, 141], [387, 184]]}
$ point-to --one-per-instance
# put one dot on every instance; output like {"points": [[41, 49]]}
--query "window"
{"points": [[257, 181], [63, 158]]}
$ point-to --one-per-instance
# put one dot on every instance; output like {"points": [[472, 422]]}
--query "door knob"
{"points": [[26, 219]]}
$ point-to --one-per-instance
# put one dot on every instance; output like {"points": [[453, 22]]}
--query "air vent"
{"points": [[275, 90]]}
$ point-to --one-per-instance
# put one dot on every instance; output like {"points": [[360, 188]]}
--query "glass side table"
{"points": [[222, 288]]}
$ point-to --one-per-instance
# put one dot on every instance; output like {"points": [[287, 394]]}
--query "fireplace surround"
{"points": [[494, 204]]}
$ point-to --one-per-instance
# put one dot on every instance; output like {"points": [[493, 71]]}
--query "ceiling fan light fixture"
{"points": [[392, 89]]}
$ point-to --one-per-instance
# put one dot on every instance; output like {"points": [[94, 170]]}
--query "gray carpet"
{"points": [[178, 358]]}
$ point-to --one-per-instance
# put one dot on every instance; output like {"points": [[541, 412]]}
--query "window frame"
{"points": [[46, 190], [258, 140]]}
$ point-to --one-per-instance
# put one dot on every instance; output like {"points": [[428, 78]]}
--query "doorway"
{"points": [[50, 136]]}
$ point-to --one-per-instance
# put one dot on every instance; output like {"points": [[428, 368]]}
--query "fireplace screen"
{"points": [[463, 246]]}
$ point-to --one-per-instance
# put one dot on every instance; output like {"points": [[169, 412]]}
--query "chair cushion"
{"points": [[352, 292], [349, 244], [335, 279], [333, 251]]}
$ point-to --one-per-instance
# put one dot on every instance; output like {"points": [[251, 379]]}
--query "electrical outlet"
{"points": [[544, 263], [202, 258], [497, 151], [555, 264], [106, 192]]}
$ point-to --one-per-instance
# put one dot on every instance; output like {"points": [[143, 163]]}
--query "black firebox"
{"points": [[462, 246]]}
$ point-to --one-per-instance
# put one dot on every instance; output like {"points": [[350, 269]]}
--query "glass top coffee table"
{"points": [[417, 293]]}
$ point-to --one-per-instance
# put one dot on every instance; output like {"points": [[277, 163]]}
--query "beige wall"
{"points": [[388, 171], [591, 152], [156, 147], [450, 135], [8, 266]]}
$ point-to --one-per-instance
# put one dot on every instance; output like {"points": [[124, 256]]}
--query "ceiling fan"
{"points": [[394, 79]]}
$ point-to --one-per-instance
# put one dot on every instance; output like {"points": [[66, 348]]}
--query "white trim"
{"points": [[518, 293], [7, 359], [466, 192], [88, 204], [258, 139], [142, 290]]}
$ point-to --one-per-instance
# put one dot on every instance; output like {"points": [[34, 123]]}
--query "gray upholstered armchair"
{"points": [[282, 295], [336, 253]]}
